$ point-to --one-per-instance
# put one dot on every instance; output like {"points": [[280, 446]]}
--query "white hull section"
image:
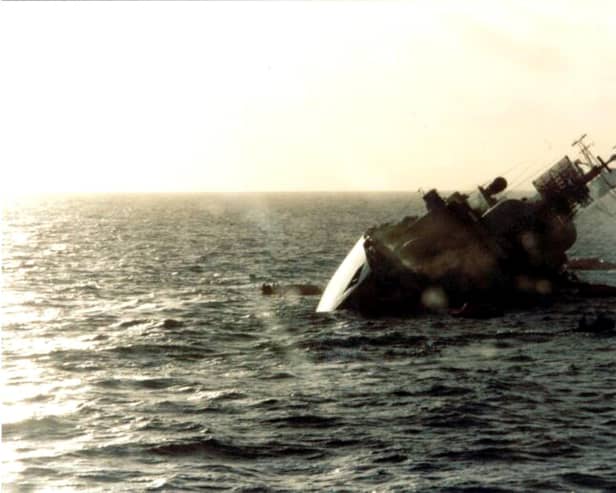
{"points": [[349, 275]]}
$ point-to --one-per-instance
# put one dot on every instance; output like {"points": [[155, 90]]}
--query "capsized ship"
{"points": [[483, 250]]}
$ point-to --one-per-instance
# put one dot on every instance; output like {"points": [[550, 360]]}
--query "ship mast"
{"points": [[584, 149]]}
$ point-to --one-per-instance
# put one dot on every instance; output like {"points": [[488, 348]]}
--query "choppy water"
{"points": [[139, 354]]}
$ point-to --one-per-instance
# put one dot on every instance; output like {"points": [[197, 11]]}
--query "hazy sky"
{"points": [[234, 96]]}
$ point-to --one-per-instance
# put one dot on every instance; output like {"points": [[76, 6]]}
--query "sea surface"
{"points": [[138, 354]]}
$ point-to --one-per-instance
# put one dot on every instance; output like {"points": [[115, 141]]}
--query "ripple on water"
{"points": [[139, 354]]}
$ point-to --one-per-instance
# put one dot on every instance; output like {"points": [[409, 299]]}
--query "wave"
{"points": [[216, 448]]}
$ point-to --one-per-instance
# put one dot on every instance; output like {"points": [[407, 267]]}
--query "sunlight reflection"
{"points": [[26, 396], [31, 404], [18, 237]]}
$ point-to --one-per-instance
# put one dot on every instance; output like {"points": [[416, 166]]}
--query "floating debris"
{"points": [[275, 289], [170, 323], [590, 263]]}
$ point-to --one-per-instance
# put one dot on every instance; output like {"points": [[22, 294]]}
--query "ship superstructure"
{"points": [[490, 251]]}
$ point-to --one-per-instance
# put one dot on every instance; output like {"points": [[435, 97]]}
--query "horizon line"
{"points": [[236, 192]]}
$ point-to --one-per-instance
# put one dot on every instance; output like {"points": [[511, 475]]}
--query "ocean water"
{"points": [[138, 354]]}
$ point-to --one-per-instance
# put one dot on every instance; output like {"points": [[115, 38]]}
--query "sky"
{"points": [[299, 96]]}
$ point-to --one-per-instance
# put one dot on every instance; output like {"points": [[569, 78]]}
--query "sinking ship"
{"points": [[475, 254]]}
